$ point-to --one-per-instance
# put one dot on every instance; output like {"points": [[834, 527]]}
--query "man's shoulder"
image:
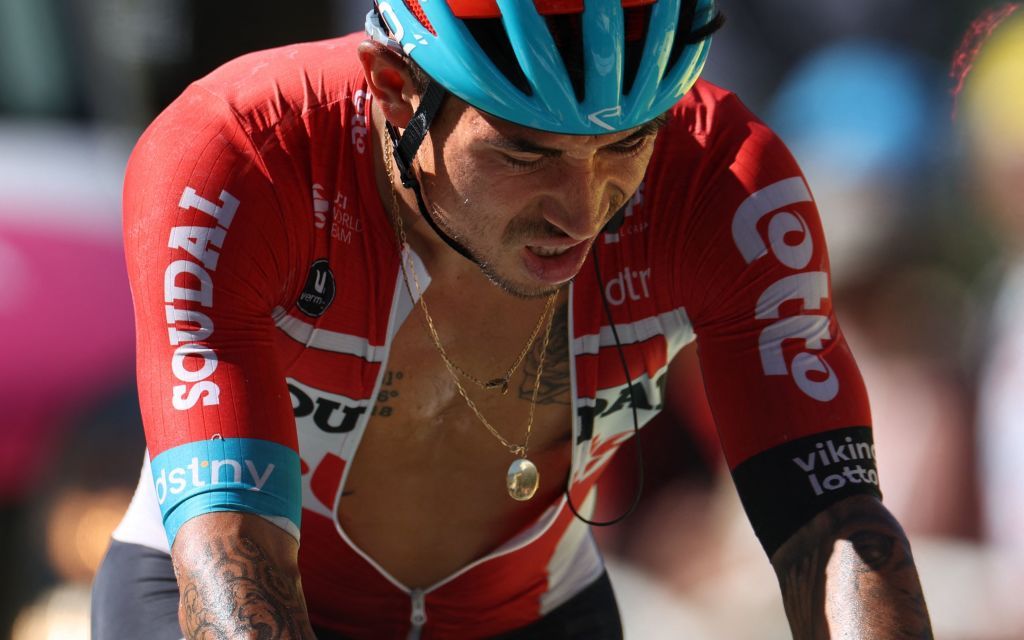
{"points": [[707, 131], [711, 132], [709, 110], [266, 87]]}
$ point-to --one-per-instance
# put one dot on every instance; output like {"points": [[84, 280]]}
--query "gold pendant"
{"points": [[523, 479], [498, 383]]}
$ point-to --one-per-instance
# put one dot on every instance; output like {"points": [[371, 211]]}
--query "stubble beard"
{"points": [[508, 287], [487, 268]]}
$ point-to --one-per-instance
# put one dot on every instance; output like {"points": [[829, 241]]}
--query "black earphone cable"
{"points": [[632, 405]]}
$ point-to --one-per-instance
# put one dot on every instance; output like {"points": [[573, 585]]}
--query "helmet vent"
{"points": [[637, 22], [490, 34], [567, 32], [687, 11]]}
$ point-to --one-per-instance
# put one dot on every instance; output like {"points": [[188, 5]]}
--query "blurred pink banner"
{"points": [[66, 322]]}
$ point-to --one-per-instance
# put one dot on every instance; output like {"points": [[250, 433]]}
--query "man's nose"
{"points": [[579, 208]]}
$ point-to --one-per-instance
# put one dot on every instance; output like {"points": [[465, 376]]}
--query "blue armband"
{"points": [[234, 474]]}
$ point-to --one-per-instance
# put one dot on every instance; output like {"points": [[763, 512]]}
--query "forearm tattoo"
{"points": [[233, 590], [555, 383], [850, 574]]}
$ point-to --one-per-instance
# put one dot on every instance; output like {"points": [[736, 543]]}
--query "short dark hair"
{"points": [[420, 78]]}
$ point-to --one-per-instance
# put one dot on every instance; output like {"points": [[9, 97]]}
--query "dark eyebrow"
{"points": [[649, 128], [522, 145]]}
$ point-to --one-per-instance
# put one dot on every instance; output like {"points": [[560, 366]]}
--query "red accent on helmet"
{"points": [[489, 8], [417, 10]]}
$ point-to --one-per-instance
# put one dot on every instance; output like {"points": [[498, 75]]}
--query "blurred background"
{"points": [[924, 214]]}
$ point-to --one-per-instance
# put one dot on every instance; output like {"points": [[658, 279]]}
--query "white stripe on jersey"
{"points": [[325, 340], [674, 325]]}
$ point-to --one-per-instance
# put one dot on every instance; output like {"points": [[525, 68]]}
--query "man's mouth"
{"points": [[555, 264], [547, 252]]}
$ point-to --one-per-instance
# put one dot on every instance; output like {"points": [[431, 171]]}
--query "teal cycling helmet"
{"points": [[584, 67]]}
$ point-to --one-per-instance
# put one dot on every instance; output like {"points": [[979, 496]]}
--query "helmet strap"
{"points": [[408, 143], [702, 33]]}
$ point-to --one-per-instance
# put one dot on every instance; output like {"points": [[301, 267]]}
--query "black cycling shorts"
{"points": [[135, 595]]}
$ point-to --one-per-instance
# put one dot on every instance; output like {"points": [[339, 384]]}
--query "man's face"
{"points": [[527, 204]]}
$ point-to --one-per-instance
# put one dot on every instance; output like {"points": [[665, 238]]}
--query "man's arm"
{"points": [[849, 573], [238, 577]]}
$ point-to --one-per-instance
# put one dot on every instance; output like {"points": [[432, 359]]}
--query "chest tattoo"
{"points": [[555, 383]]}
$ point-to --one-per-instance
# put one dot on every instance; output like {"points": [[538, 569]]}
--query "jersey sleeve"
{"points": [[752, 268], [210, 254]]}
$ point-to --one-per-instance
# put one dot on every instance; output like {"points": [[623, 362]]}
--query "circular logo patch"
{"points": [[318, 293]]}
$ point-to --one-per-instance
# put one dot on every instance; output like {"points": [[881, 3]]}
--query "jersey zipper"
{"points": [[418, 617]]}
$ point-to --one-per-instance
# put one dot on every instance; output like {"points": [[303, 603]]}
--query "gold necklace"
{"points": [[522, 478], [502, 382]]}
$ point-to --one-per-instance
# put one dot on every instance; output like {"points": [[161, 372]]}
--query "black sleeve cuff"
{"points": [[784, 487]]}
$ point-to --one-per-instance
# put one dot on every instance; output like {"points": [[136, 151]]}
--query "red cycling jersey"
{"points": [[268, 289]]}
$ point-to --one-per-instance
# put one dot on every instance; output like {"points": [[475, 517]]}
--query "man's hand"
{"points": [[238, 578], [849, 573]]}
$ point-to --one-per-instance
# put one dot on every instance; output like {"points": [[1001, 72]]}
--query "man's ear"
{"points": [[389, 81]]}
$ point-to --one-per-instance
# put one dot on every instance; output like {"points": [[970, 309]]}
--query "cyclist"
{"points": [[401, 295]]}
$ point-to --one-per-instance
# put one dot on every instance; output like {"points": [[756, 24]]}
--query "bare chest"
{"points": [[429, 464]]}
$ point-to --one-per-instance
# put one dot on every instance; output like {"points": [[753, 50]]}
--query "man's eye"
{"points": [[523, 162], [630, 148]]}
